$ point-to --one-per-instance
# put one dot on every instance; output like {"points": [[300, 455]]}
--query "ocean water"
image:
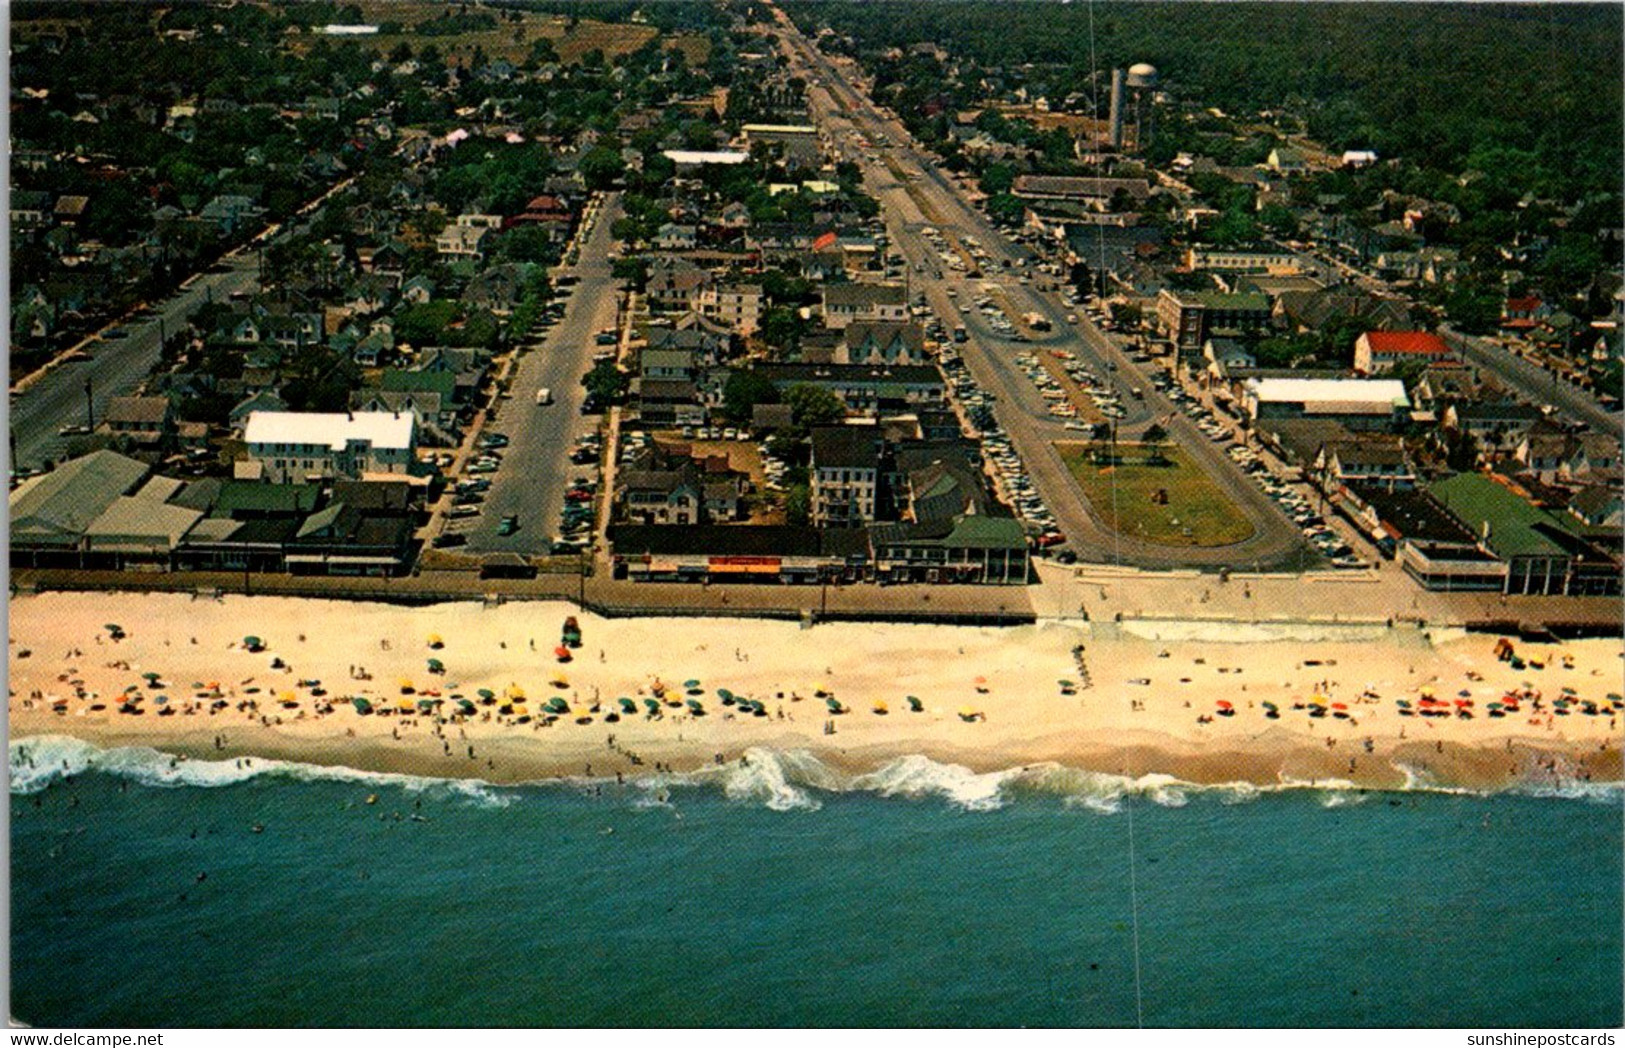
{"points": [[781, 894]]}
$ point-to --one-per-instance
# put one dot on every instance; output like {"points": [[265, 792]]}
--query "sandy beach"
{"points": [[1142, 699]]}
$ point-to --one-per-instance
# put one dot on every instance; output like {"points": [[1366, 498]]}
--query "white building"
{"points": [[299, 445], [1358, 403], [739, 306], [844, 303]]}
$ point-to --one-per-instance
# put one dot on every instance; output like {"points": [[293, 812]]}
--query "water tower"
{"points": [[1142, 84]]}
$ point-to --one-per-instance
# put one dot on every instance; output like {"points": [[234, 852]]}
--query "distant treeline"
{"points": [[1441, 84]]}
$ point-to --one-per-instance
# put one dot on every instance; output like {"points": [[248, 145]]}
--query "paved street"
{"points": [[56, 398], [1537, 383], [932, 199], [536, 468]]}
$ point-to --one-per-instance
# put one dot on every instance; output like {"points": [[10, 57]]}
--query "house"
{"points": [[462, 241], [738, 306], [882, 343], [662, 496], [425, 407], [1598, 507], [673, 284], [301, 445], [418, 290], [70, 208], [1225, 355], [1370, 459], [1376, 352], [140, 531], [673, 236], [845, 475], [232, 213], [844, 303], [1494, 425], [1287, 161], [1358, 404], [147, 422], [498, 289]]}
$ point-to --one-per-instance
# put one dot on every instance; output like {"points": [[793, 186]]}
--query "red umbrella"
{"points": [[1223, 705], [1340, 706]]}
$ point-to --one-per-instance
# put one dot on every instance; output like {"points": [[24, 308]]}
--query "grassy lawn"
{"points": [[1196, 512]]}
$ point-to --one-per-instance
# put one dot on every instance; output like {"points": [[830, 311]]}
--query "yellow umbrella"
{"points": [[435, 641], [406, 685], [520, 710], [289, 696], [516, 692], [1318, 700], [407, 707], [560, 681]]}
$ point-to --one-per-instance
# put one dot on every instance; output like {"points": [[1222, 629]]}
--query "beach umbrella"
{"points": [[405, 707], [1224, 704], [1403, 704], [160, 699], [486, 693], [834, 706], [557, 705], [406, 686], [562, 653], [516, 693], [1268, 705], [465, 706], [361, 705], [967, 714], [1340, 706], [426, 705], [150, 676], [1615, 697], [113, 627], [435, 641], [1465, 693], [253, 643], [652, 704], [915, 704], [694, 704], [436, 666], [560, 681], [724, 694], [627, 705]]}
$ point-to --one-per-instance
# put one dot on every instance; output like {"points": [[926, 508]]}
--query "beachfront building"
{"points": [[845, 474], [298, 445], [51, 512], [776, 553], [1359, 404], [1541, 551], [964, 548]]}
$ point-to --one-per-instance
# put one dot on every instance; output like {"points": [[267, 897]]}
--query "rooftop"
{"points": [[379, 428], [1331, 390]]}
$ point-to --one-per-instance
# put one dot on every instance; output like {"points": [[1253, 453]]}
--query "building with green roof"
{"points": [[1543, 555]]}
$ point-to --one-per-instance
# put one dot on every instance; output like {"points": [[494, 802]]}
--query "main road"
{"points": [[915, 194], [54, 398], [536, 468]]}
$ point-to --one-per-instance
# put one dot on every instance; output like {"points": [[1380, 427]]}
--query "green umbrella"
{"points": [[486, 693], [834, 707], [915, 704], [436, 666], [627, 705], [653, 704], [557, 705], [113, 627], [691, 684], [465, 706], [253, 643], [361, 705], [151, 676], [426, 705], [724, 694], [694, 704]]}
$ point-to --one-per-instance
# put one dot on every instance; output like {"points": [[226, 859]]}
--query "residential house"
{"points": [[845, 303], [674, 236], [146, 422], [737, 306], [1189, 318], [882, 343]]}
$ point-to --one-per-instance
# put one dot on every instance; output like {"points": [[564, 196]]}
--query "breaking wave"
{"points": [[786, 781]]}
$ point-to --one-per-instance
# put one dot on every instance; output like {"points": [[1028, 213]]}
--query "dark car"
{"points": [[449, 539]]}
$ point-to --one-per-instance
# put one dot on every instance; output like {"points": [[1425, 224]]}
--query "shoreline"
{"points": [[1147, 706]]}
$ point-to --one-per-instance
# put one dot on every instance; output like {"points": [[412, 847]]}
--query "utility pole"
{"points": [[90, 407]]}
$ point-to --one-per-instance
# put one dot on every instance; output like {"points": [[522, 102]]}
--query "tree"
{"points": [[606, 383], [798, 505], [781, 327], [743, 391], [811, 406], [1152, 438], [602, 167]]}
